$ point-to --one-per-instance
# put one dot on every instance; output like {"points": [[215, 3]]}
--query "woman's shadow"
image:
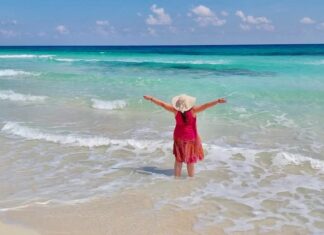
{"points": [[148, 170]]}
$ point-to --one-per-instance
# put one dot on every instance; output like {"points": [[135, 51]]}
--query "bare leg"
{"points": [[177, 168], [191, 169]]}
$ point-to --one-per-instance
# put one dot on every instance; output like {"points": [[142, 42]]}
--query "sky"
{"points": [[160, 22]]}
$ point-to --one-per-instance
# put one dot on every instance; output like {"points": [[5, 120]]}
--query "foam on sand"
{"points": [[285, 158], [108, 105], [13, 96], [252, 189]]}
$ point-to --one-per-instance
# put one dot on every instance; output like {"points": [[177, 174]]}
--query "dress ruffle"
{"points": [[188, 151]]}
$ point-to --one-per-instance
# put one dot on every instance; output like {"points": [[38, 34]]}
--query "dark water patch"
{"points": [[243, 72], [226, 50], [215, 69]]}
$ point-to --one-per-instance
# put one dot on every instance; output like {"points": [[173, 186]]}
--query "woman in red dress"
{"points": [[187, 145]]}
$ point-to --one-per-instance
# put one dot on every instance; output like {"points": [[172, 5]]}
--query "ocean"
{"points": [[74, 127]]}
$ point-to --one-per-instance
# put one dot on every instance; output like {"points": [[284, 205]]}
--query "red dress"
{"points": [[187, 145]]}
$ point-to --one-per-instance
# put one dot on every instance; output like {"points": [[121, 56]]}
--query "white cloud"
{"points": [[103, 27], [7, 26], [204, 16], [151, 31], [320, 26], [266, 27], [127, 30], [102, 22], [41, 34], [249, 21], [202, 11], [7, 33], [62, 29], [307, 20], [224, 13], [173, 29], [8, 22], [160, 17], [245, 27], [192, 29]]}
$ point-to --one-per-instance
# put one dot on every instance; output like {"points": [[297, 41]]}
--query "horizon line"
{"points": [[161, 45]]}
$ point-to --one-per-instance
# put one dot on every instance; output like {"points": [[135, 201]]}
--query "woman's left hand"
{"points": [[148, 97]]}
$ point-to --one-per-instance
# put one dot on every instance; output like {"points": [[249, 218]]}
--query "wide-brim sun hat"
{"points": [[183, 102]]}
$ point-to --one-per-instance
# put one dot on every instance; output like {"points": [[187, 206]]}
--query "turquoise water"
{"points": [[277, 88], [60, 102]]}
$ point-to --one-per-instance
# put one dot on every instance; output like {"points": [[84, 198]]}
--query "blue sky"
{"points": [[130, 22]]}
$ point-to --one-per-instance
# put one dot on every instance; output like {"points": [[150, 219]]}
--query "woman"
{"points": [[187, 145]]}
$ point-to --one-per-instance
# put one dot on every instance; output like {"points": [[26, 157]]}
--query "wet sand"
{"points": [[131, 212], [127, 214]]}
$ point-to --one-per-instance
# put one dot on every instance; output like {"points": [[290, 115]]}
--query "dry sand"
{"points": [[129, 213], [9, 229]]}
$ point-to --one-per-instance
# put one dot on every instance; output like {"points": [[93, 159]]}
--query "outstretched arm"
{"points": [[161, 103], [200, 108]]}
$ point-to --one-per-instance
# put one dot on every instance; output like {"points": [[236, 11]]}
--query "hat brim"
{"points": [[189, 102]]}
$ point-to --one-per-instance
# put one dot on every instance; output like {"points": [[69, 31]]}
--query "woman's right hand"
{"points": [[221, 100], [148, 97]]}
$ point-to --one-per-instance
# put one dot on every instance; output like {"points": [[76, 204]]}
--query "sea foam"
{"points": [[13, 72], [30, 133], [285, 158], [280, 159], [108, 105], [13, 96], [318, 62], [75, 60], [139, 61], [24, 56], [70, 60], [65, 60], [194, 62]]}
